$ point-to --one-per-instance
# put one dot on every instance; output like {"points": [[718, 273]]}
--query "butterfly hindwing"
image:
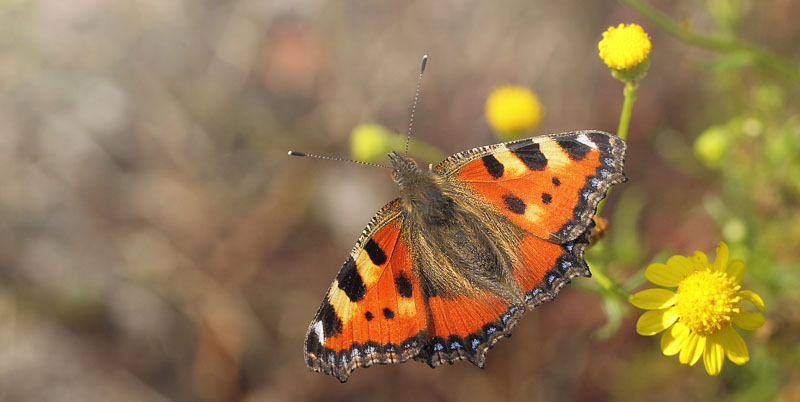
{"points": [[466, 327], [545, 267], [548, 185], [374, 311]]}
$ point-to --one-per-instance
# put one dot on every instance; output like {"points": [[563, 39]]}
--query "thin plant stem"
{"points": [[609, 285], [627, 109], [624, 119]]}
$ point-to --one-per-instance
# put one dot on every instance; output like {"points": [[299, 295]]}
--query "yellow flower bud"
{"points": [[624, 47]]}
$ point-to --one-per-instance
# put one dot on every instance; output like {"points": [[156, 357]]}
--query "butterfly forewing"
{"points": [[548, 185]]}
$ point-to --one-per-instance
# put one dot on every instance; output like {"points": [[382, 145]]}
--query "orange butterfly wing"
{"points": [[466, 327], [374, 311], [549, 186]]}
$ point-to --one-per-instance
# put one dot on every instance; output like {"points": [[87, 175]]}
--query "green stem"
{"points": [[624, 119], [605, 282], [609, 284], [760, 55], [627, 109]]}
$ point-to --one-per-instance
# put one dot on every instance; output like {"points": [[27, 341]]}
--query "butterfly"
{"points": [[443, 272]]}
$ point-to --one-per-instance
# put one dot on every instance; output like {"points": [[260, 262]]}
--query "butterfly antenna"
{"points": [[331, 158], [416, 97]]}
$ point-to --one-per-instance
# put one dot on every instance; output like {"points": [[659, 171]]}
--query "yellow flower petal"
{"points": [[674, 339], [748, 321], [693, 349], [753, 297], [682, 263], [687, 352], [666, 274], [721, 260], [698, 352], [714, 355], [734, 345], [699, 261], [735, 270], [653, 299], [655, 321]]}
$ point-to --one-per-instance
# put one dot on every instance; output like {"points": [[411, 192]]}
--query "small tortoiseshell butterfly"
{"points": [[446, 270]]}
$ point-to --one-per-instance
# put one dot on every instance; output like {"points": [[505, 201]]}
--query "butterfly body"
{"points": [[447, 269], [459, 241]]}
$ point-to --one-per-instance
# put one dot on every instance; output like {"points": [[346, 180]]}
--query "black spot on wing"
{"points": [[546, 198], [576, 150], [375, 252], [550, 277], [514, 204], [350, 281], [493, 166], [388, 313], [312, 341], [531, 156], [556, 182], [567, 261], [368, 315], [331, 323], [403, 285], [600, 139]]}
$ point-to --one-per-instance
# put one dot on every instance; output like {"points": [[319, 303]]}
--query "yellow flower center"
{"points": [[624, 47], [706, 301]]}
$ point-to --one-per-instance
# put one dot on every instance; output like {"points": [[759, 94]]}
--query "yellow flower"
{"points": [[624, 47], [698, 317], [512, 110]]}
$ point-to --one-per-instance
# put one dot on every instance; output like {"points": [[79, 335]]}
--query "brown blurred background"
{"points": [[156, 243]]}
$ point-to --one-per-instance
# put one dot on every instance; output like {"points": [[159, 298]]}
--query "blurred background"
{"points": [[157, 244]]}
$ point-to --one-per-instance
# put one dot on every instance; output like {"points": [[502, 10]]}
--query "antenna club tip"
{"points": [[295, 153], [424, 63]]}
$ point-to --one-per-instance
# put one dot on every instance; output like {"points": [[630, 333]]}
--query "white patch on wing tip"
{"points": [[583, 139], [320, 333]]}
